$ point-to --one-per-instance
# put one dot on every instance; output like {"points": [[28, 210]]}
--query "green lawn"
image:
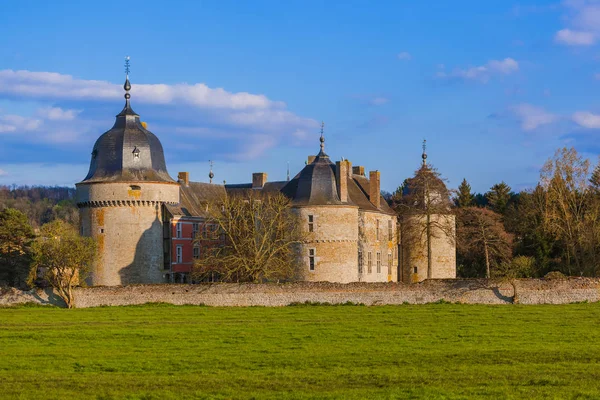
{"points": [[428, 351]]}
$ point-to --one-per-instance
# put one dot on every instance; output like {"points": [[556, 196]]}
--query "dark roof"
{"points": [[194, 198], [315, 184], [128, 152]]}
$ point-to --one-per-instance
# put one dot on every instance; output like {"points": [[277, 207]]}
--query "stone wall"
{"points": [[333, 242], [414, 248], [126, 220], [374, 242], [472, 291]]}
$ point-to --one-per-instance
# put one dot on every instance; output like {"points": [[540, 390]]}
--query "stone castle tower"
{"points": [[428, 237], [350, 231], [121, 202]]}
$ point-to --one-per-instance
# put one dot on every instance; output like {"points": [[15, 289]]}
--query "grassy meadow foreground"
{"points": [[173, 352]]}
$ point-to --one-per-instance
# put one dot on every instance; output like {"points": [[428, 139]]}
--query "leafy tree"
{"points": [[16, 236], [464, 197], [63, 257], [482, 238], [260, 237], [498, 197], [425, 211]]}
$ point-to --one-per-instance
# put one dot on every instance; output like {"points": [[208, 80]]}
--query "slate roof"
{"points": [[194, 198], [315, 184], [127, 152]]}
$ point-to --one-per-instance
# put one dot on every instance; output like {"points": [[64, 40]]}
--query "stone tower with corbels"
{"points": [[121, 202]]}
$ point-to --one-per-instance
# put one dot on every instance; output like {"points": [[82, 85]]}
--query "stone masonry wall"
{"points": [[472, 291]]}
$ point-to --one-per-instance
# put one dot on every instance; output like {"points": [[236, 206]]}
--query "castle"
{"points": [[145, 222]]}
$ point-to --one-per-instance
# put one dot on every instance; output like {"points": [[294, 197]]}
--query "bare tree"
{"points": [[570, 213], [481, 235], [425, 211], [260, 236]]}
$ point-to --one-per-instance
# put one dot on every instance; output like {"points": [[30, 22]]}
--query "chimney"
{"points": [[375, 188], [258, 180], [349, 169], [184, 178], [358, 170], [311, 159], [341, 177]]}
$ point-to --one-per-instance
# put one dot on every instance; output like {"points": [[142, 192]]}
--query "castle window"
{"points": [[378, 262], [390, 233], [179, 254], [360, 262], [311, 259], [415, 270], [196, 252], [194, 230], [134, 187], [136, 153], [101, 230], [311, 223], [377, 233], [369, 262], [178, 230], [390, 263]]}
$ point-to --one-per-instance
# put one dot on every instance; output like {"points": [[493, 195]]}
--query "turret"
{"points": [[121, 201]]}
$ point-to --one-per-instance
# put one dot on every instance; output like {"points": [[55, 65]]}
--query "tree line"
{"points": [[553, 227]]}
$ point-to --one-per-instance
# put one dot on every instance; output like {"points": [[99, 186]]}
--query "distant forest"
{"points": [[41, 204]]}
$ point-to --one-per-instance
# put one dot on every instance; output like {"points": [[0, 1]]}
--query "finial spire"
{"points": [[127, 85], [288, 170], [322, 139], [210, 174], [424, 155]]}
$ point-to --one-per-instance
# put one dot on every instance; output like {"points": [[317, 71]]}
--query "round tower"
{"points": [[320, 198], [428, 227], [121, 202]]}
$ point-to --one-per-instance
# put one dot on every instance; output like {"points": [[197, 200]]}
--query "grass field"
{"points": [[431, 351]]}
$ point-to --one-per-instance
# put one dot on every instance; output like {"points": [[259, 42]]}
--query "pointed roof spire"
{"points": [[127, 85], [288, 170], [322, 139], [424, 155], [127, 111], [211, 175]]}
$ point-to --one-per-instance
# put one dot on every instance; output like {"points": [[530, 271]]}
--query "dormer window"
{"points": [[94, 154], [136, 153]]}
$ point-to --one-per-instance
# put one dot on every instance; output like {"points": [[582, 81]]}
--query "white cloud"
{"points": [[57, 114], [404, 56], [575, 38], [483, 73], [587, 119], [532, 117], [14, 123], [583, 20], [214, 113], [3, 172], [53, 85]]}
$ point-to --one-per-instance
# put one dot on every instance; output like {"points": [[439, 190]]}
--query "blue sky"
{"points": [[494, 86]]}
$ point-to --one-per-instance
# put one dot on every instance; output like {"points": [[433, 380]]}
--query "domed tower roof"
{"points": [[128, 151], [315, 184]]}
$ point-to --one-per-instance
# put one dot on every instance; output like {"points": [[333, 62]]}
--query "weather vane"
{"points": [[322, 126], [424, 156], [127, 65]]}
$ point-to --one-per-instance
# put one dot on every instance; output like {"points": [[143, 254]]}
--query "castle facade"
{"points": [[146, 223]]}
